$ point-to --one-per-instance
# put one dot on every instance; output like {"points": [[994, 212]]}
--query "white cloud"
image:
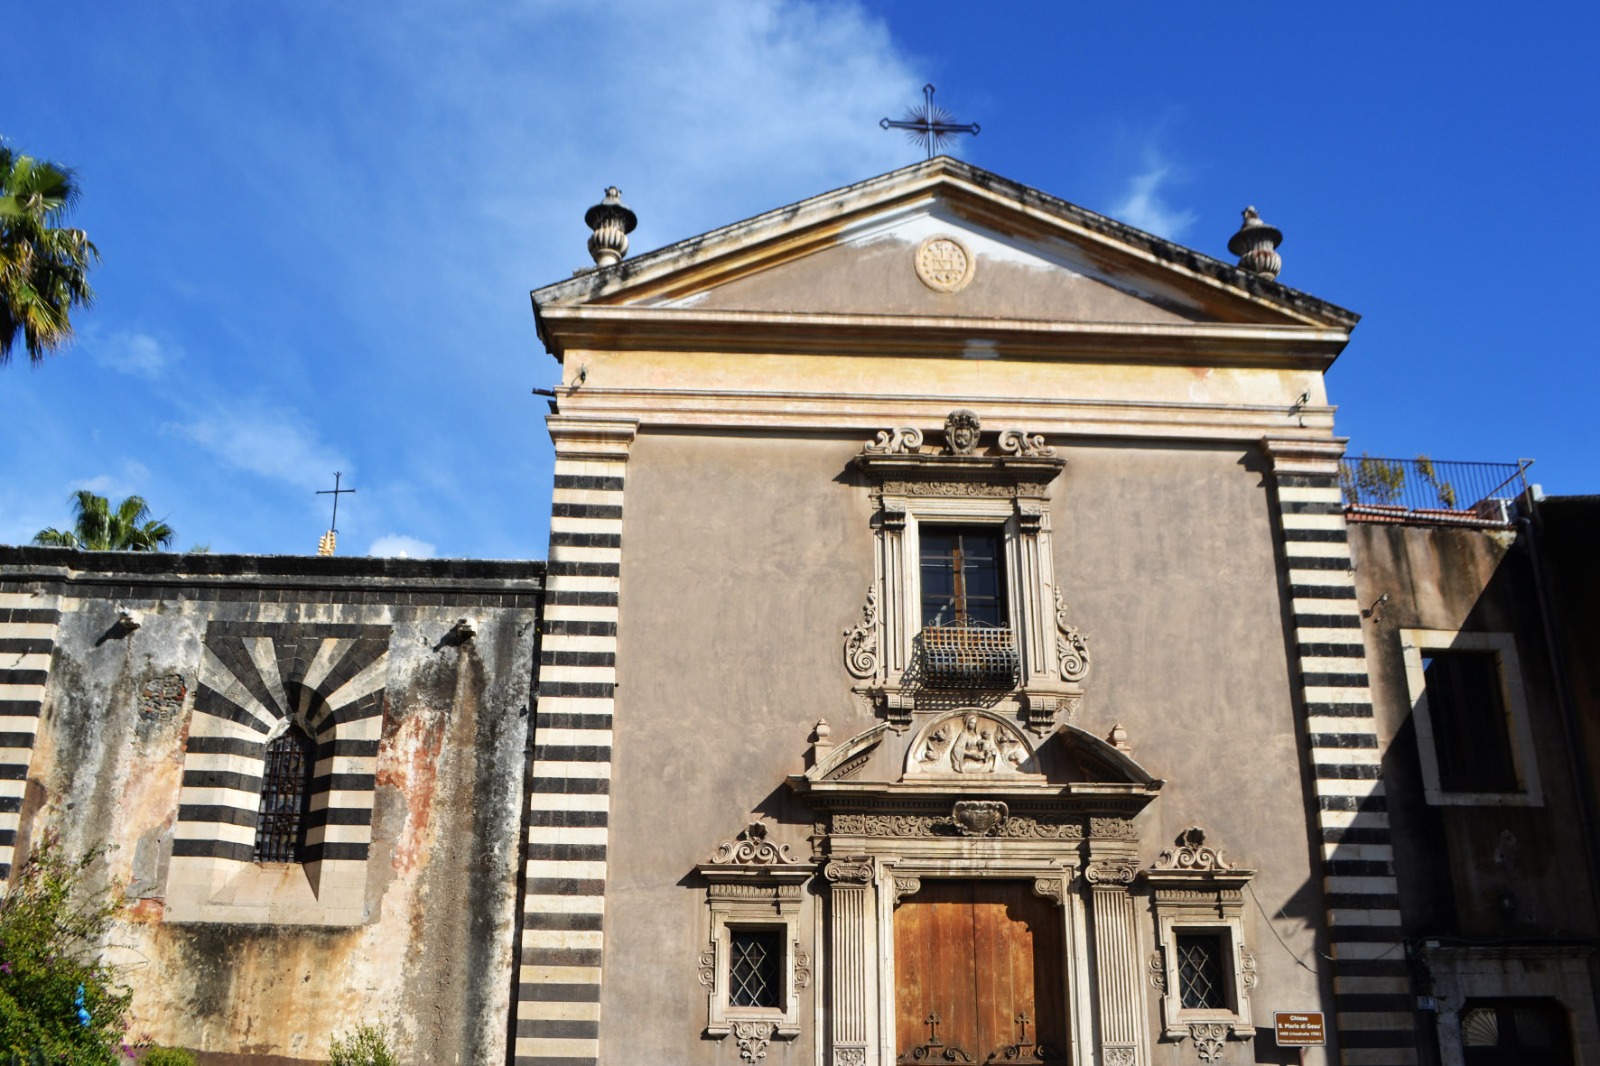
{"points": [[400, 546], [274, 444], [1144, 205], [114, 487], [135, 353]]}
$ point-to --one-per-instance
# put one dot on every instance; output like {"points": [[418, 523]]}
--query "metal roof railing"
{"points": [[1432, 491]]}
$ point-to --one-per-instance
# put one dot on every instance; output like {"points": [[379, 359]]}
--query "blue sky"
{"points": [[320, 222]]}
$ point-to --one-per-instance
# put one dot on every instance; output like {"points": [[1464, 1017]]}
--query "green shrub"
{"points": [[166, 1056], [56, 996], [367, 1045]]}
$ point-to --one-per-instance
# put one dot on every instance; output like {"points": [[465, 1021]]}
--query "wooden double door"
{"points": [[978, 968]]}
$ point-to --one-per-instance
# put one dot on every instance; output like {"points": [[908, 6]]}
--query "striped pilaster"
{"points": [[569, 800], [27, 638], [1372, 990]]}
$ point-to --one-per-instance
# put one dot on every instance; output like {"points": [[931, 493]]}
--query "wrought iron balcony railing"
{"points": [[1432, 491], [966, 655]]}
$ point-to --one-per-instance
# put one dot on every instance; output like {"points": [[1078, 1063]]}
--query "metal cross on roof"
{"points": [[929, 125], [335, 492]]}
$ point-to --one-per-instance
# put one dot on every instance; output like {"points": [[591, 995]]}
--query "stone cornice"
{"points": [[784, 332], [83, 573], [865, 413]]}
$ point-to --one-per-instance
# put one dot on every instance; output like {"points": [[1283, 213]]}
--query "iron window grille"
{"points": [[1201, 981], [755, 970], [285, 796], [967, 656]]}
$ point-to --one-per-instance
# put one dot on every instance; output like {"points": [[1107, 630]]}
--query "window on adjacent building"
{"points": [[1468, 715], [963, 575], [1202, 978], [755, 968], [1524, 1032], [1474, 739], [285, 797]]}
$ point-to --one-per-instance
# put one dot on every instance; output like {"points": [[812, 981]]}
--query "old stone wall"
{"points": [[164, 673], [1500, 868]]}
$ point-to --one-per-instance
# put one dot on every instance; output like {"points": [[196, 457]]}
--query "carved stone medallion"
{"points": [[944, 264], [979, 818], [961, 430]]}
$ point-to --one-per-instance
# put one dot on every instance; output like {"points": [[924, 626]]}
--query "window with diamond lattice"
{"points": [[285, 796], [1201, 983], [755, 972]]}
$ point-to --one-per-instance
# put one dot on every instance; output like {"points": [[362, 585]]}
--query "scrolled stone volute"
{"points": [[1256, 246], [611, 221]]}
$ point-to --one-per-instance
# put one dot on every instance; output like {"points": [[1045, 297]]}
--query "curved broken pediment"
{"points": [[969, 748]]}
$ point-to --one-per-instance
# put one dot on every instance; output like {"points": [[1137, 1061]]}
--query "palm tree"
{"points": [[43, 268], [99, 528]]}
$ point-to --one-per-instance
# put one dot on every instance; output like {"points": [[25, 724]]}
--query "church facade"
{"points": [[957, 644]]}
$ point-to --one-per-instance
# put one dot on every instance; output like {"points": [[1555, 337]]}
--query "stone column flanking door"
{"points": [[1371, 983], [1119, 978], [569, 802], [853, 962]]}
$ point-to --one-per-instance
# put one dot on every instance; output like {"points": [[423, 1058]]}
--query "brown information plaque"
{"points": [[1300, 1029]]}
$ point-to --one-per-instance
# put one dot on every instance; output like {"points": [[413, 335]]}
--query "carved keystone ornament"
{"points": [[979, 818]]}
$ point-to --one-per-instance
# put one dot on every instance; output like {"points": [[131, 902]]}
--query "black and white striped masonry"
{"points": [[569, 803], [28, 623], [329, 679], [1372, 989]]}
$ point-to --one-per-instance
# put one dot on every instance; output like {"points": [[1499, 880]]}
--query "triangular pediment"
{"points": [[940, 241]]}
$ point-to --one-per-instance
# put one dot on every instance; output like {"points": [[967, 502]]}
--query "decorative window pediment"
{"points": [[1201, 968], [964, 599], [755, 964]]}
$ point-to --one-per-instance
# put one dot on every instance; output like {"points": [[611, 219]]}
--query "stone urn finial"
{"points": [[612, 222], [1256, 246]]}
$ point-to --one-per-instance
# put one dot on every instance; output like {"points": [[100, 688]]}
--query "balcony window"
{"points": [[963, 576]]}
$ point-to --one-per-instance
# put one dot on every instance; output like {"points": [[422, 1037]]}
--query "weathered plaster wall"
{"points": [[1167, 556], [1481, 872], [432, 955], [745, 558]]}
